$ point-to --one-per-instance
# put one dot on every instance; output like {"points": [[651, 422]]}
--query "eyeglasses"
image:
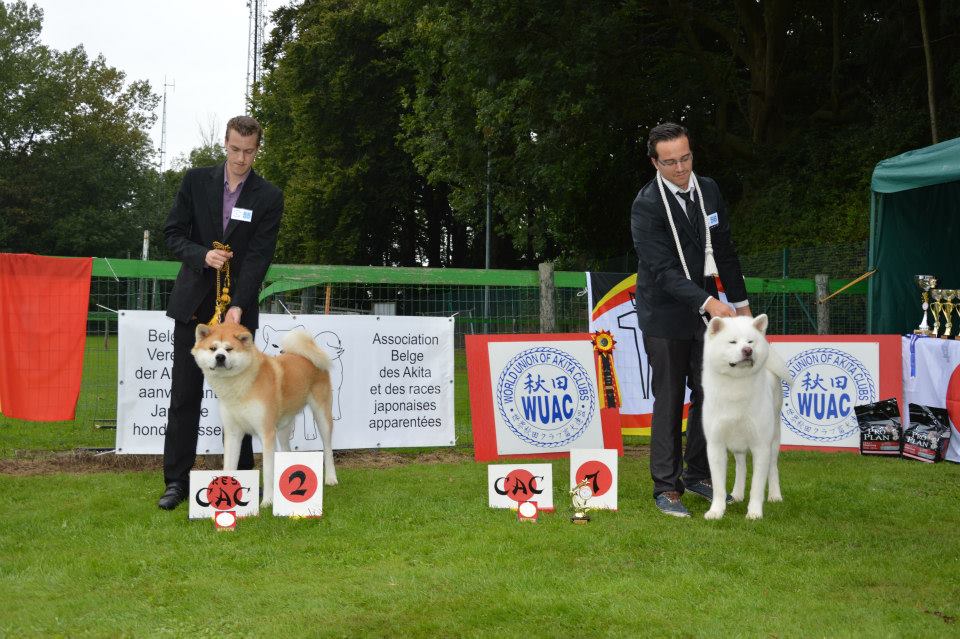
{"points": [[681, 160]]}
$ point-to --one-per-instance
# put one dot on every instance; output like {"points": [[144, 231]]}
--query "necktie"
{"points": [[689, 203]]}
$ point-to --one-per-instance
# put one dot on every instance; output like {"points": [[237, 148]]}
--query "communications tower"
{"points": [[258, 24]]}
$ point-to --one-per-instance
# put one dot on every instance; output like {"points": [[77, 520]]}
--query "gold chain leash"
{"points": [[222, 300]]}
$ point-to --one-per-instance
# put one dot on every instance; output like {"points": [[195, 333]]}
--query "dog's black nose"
{"points": [[221, 358], [747, 351]]}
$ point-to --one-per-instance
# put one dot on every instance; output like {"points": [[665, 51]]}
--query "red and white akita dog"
{"points": [[261, 394]]}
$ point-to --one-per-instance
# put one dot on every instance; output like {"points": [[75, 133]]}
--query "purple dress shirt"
{"points": [[230, 199]]}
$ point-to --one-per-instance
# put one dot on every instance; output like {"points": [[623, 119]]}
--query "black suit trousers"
{"points": [[676, 364], [183, 416]]}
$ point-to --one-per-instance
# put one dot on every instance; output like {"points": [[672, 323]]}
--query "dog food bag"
{"points": [[928, 434], [881, 432]]}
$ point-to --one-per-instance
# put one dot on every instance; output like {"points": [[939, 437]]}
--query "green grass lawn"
{"points": [[861, 547]]}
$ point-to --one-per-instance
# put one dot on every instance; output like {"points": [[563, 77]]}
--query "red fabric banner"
{"points": [[43, 326]]}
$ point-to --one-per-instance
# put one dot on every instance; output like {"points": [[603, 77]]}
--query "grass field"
{"points": [[860, 547]]}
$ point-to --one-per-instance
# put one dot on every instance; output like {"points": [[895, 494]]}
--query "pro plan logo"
{"points": [[545, 397], [827, 384]]}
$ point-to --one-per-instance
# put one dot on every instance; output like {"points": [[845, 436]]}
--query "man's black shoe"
{"points": [[704, 488], [172, 497]]}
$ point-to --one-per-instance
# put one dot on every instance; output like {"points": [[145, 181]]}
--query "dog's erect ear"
{"points": [[760, 322], [202, 331], [244, 338], [715, 325]]}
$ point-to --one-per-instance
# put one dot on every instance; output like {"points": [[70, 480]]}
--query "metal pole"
{"points": [[486, 289], [142, 284], [785, 270]]}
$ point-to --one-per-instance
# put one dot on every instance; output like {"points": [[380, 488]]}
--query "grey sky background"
{"points": [[200, 45]]}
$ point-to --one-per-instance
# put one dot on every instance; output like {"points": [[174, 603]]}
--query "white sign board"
{"points": [[298, 484], [829, 379], [212, 491], [545, 396], [510, 484], [392, 381], [598, 467]]}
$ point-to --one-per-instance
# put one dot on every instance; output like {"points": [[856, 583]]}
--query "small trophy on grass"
{"points": [[579, 497]]}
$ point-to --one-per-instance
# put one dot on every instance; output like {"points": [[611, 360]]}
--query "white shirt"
{"points": [[683, 204], [676, 189]]}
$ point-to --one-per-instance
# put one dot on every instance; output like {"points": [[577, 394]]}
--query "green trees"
{"points": [[387, 120], [332, 98], [74, 153], [390, 124]]}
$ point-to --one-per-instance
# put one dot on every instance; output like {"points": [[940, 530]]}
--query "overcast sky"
{"points": [[198, 45]]}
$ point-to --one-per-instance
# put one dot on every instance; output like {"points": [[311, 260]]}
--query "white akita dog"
{"points": [[741, 409]]}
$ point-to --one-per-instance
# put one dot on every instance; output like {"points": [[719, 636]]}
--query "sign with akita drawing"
{"points": [[392, 379]]}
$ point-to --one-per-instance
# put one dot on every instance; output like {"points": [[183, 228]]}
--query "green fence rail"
{"points": [[482, 301]]}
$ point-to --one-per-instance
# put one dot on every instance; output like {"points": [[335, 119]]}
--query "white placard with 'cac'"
{"points": [[510, 484], [213, 491], [392, 381]]}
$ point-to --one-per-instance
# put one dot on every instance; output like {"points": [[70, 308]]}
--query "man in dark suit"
{"points": [[233, 205], [669, 222]]}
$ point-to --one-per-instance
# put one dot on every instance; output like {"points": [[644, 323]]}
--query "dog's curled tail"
{"points": [[301, 343], [777, 366]]}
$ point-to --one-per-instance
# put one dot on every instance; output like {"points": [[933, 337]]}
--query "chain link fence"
{"points": [[481, 302], [795, 312]]}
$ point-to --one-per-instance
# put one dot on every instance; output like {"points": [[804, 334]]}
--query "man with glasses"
{"points": [[681, 233]]}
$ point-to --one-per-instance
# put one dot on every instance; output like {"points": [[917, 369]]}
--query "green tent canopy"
{"points": [[914, 229]]}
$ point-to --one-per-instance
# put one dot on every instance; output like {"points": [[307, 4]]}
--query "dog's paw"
{"points": [[754, 514], [737, 497], [330, 481], [713, 514], [774, 497]]}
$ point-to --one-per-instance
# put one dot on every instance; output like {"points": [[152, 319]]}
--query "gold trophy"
{"points": [[936, 307], [924, 283], [948, 296], [579, 497]]}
